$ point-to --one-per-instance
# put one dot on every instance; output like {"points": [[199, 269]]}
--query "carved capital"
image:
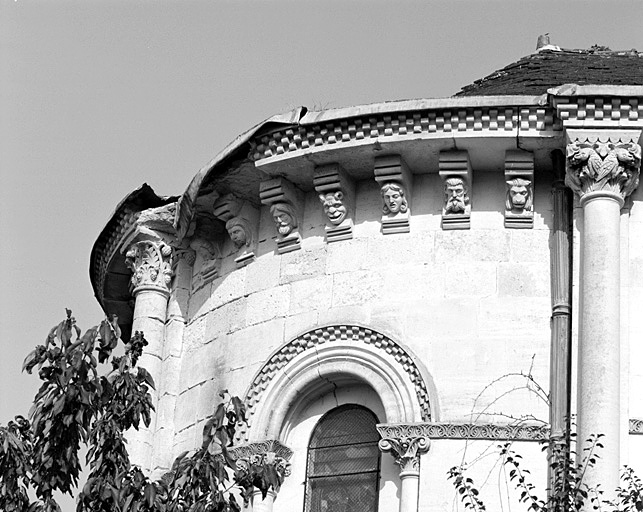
{"points": [[151, 264], [266, 452], [455, 171], [603, 162], [406, 443]]}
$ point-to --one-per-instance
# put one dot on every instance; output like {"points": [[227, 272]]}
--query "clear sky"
{"points": [[97, 98]]}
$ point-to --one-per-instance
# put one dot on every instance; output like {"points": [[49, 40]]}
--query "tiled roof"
{"points": [[534, 74]]}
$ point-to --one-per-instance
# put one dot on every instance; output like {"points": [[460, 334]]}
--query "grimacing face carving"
{"points": [[285, 217], [239, 231], [455, 191], [519, 197], [334, 206], [394, 198]]}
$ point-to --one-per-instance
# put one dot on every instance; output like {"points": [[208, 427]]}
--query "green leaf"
{"points": [[150, 494], [145, 376]]}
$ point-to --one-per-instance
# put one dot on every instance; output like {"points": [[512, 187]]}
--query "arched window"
{"points": [[343, 468]]}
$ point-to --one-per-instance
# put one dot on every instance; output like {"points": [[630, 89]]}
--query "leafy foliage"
{"points": [[569, 492], [76, 406]]}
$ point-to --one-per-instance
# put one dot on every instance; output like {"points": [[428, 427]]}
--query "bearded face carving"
{"points": [[334, 206], [519, 196], [285, 218], [456, 195], [240, 232]]}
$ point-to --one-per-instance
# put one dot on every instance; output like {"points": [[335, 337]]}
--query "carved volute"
{"points": [[151, 264]]}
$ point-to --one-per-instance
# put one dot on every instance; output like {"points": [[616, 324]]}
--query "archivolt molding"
{"points": [[404, 124], [322, 338], [464, 431], [636, 426]]}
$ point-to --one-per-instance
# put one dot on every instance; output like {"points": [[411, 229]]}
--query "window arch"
{"points": [[343, 467]]}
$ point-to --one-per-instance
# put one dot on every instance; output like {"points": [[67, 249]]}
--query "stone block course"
{"points": [[361, 287], [471, 280], [347, 256], [311, 294], [302, 264], [524, 279], [529, 245], [225, 319], [228, 288], [400, 249], [267, 304], [472, 245]]}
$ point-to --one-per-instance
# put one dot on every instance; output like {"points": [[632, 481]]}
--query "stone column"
{"points": [[406, 444], [150, 262], [603, 170], [270, 452]]}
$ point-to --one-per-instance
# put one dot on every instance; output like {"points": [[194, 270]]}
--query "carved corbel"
{"points": [[270, 452], [151, 264], [241, 222], [396, 183], [455, 171], [337, 195], [286, 203], [603, 162], [519, 177], [406, 443]]}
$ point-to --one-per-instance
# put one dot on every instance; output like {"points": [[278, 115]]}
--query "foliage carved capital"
{"points": [[606, 164], [405, 443], [151, 264], [270, 452]]}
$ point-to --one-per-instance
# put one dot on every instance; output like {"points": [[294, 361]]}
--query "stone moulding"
{"points": [[490, 432], [396, 125], [636, 427], [323, 335], [606, 111]]}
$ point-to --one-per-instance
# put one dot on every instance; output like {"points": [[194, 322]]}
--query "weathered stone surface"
{"points": [[227, 288], [470, 280], [347, 256], [476, 245], [302, 265], [360, 287], [268, 304], [311, 294], [524, 279], [530, 246], [264, 273], [225, 319], [403, 249]]}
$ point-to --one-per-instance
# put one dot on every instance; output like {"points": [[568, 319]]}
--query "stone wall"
{"points": [[471, 305]]}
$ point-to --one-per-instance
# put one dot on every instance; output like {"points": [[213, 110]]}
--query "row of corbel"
{"points": [[336, 191]]}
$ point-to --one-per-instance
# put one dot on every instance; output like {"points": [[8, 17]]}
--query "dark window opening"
{"points": [[343, 468]]}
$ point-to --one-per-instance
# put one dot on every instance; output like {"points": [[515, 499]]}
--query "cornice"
{"points": [[368, 125]]}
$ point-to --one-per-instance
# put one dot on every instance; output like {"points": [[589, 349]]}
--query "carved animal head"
{"points": [[519, 195]]}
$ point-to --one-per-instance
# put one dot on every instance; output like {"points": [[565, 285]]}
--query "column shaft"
{"points": [[599, 345]]}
